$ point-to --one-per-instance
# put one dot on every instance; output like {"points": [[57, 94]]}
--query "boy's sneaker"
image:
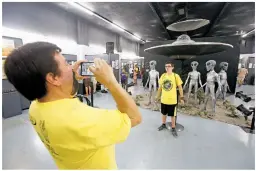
{"points": [[163, 126], [174, 132]]}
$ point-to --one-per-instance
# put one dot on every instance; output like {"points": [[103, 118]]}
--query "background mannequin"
{"points": [[194, 77], [124, 79], [212, 77], [135, 74], [152, 80]]}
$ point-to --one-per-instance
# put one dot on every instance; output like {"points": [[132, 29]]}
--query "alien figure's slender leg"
{"points": [[218, 92], [225, 87], [189, 90], [195, 90], [206, 96], [150, 93], [222, 92], [154, 93], [212, 88]]}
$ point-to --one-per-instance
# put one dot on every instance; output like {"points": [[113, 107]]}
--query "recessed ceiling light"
{"points": [[117, 27], [137, 38]]}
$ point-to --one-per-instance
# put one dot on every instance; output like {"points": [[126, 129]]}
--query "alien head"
{"points": [[224, 66], [210, 65], [194, 65], [152, 65]]}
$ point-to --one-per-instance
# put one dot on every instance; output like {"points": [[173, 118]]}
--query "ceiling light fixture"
{"points": [[117, 27], [137, 38], [245, 35], [88, 11], [135, 34], [81, 8]]}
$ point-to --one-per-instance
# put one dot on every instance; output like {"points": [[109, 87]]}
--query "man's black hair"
{"points": [[27, 66]]}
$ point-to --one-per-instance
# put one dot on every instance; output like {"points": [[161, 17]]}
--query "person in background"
{"points": [[168, 83], [94, 82], [135, 73], [242, 72], [138, 72], [131, 72], [87, 86], [142, 72], [76, 135], [124, 79]]}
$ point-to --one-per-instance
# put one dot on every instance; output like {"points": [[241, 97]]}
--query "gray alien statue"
{"points": [[223, 80], [211, 78], [194, 77], [153, 76]]}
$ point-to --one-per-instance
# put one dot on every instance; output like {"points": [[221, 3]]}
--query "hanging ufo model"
{"points": [[188, 25], [185, 48]]}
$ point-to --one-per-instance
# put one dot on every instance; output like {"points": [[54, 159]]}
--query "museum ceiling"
{"points": [[149, 20]]}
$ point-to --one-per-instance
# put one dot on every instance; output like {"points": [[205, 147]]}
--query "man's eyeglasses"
{"points": [[168, 66]]}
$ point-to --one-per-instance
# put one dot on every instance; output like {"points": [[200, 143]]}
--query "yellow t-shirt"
{"points": [[78, 136], [168, 85]]}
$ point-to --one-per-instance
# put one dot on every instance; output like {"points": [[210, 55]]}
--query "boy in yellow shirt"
{"points": [[168, 83]]}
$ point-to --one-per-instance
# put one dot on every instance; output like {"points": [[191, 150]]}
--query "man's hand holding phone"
{"points": [[75, 69], [103, 72]]}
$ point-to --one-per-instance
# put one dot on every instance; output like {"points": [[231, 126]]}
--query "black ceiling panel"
{"points": [[150, 19], [136, 17], [239, 16]]}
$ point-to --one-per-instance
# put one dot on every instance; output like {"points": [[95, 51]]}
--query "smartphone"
{"points": [[85, 69]]}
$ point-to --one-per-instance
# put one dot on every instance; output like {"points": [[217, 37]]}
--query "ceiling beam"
{"points": [[216, 19], [154, 7]]}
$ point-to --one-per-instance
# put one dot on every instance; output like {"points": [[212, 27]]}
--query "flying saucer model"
{"points": [[185, 48], [182, 57], [188, 25]]}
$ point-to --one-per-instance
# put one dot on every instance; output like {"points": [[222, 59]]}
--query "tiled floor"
{"points": [[204, 144]]}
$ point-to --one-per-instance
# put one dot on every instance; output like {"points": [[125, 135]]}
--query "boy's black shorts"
{"points": [[169, 110]]}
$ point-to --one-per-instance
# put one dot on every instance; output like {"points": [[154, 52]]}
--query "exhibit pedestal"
{"points": [[179, 127]]}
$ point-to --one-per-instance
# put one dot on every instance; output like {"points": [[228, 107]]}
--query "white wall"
{"points": [[67, 46], [42, 21]]}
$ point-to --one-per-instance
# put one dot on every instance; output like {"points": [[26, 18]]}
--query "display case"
{"points": [[13, 102]]}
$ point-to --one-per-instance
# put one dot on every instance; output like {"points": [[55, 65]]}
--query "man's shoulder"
{"points": [[32, 107], [63, 103]]}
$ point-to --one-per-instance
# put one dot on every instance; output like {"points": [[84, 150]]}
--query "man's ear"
{"points": [[52, 79]]}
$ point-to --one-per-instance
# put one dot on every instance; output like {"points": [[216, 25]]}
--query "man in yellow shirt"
{"points": [[168, 83], [76, 135]]}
